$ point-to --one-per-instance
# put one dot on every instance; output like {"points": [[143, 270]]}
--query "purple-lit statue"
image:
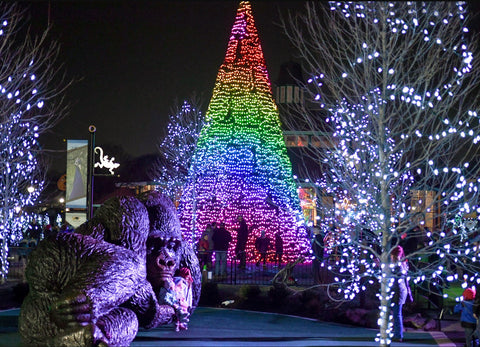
{"points": [[96, 286]]}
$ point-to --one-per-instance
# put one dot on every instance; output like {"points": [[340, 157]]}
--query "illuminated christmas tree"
{"points": [[177, 148], [241, 166]]}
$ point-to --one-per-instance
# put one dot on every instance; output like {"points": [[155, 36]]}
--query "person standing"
{"points": [[242, 237], [205, 245], [34, 231], [262, 244], [401, 290], [221, 239], [467, 318], [476, 314], [47, 231], [278, 248], [318, 250]]}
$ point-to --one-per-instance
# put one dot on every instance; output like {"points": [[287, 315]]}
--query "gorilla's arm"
{"points": [[145, 304], [75, 281]]}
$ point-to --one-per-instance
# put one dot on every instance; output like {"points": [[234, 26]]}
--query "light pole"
{"points": [[91, 163]]}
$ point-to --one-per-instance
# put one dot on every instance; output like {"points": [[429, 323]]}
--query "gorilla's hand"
{"points": [[71, 310]]}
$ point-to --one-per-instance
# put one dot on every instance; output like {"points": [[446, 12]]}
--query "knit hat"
{"points": [[469, 294]]}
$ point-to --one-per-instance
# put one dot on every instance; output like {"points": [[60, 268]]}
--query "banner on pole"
{"points": [[77, 163]]}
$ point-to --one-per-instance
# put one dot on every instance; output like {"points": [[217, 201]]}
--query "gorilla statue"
{"points": [[99, 284]]}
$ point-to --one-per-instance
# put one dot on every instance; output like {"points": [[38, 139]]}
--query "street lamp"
{"points": [[90, 167], [30, 189]]}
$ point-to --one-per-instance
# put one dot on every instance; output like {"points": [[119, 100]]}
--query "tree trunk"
{"points": [[384, 311], [3, 260]]}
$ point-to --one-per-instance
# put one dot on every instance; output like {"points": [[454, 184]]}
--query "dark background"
{"points": [[132, 60]]}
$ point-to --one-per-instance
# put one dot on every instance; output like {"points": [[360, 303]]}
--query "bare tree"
{"points": [[393, 89], [30, 104], [177, 148]]}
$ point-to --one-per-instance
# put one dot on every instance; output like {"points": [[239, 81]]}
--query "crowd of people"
{"points": [[38, 232], [215, 240]]}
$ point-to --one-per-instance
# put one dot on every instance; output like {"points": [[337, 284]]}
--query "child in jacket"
{"points": [[467, 319]]}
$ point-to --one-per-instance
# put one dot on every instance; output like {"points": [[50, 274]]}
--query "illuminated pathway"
{"points": [[224, 327]]}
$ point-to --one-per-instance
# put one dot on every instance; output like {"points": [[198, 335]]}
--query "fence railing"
{"points": [[303, 274], [17, 262]]}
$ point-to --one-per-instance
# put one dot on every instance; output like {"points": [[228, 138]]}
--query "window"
{"points": [[296, 140]]}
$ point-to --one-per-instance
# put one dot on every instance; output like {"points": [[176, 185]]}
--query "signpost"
{"points": [[104, 162]]}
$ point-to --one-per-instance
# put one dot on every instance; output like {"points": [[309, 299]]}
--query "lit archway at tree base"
{"points": [[226, 200]]}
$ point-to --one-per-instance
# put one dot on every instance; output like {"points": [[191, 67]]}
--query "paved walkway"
{"points": [[226, 327]]}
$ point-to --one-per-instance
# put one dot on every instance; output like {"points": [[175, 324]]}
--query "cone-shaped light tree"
{"points": [[241, 165]]}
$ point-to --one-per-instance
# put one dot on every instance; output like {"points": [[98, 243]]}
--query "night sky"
{"points": [[132, 59]]}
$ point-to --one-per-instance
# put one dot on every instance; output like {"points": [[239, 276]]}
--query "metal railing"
{"points": [[17, 262], [261, 274], [301, 274]]}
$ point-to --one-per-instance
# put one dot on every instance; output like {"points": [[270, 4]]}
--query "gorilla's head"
{"points": [[122, 221], [164, 222], [164, 243]]}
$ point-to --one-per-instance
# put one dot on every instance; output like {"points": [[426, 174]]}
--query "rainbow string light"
{"points": [[241, 165]]}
